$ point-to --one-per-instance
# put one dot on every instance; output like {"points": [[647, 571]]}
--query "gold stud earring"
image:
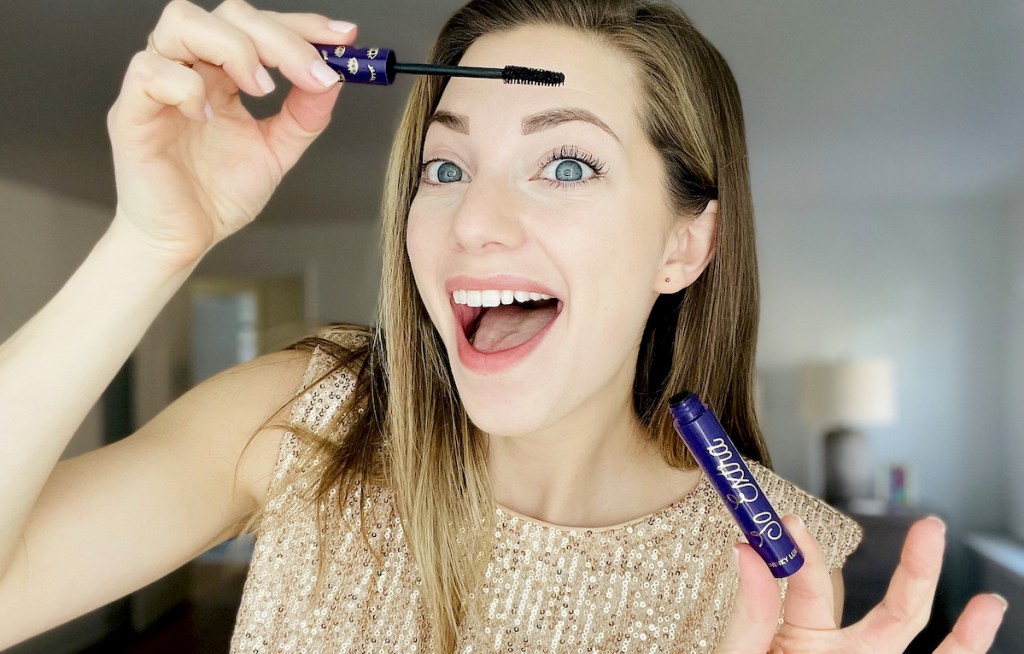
{"points": [[666, 279]]}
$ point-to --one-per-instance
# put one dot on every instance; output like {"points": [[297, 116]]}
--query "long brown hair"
{"points": [[405, 426]]}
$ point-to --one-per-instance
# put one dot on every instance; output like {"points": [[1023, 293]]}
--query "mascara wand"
{"points": [[378, 66]]}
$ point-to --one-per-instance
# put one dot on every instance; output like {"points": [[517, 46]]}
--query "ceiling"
{"points": [[846, 102]]}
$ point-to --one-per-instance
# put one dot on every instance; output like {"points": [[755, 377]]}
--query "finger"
{"points": [[905, 609], [755, 614], [810, 601], [976, 627], [188, 33], [283, 41], [302, 118], [221, 89], [316, 28], [154, 83]]}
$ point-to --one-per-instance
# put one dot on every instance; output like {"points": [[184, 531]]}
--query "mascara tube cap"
{"points": [[360, 65], [718, 457]]}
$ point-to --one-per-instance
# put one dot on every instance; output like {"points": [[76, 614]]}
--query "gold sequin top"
{"points": [[661, 583]]}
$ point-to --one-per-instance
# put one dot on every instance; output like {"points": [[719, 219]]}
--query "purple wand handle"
{"points": [[718, 457], [359, 65]]}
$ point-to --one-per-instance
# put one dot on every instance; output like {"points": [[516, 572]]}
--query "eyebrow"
{"points": [[531, 124]]}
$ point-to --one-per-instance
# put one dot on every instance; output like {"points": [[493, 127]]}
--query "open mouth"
{"points": [[499, 320]]}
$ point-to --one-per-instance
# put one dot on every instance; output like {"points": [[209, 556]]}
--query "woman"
{"points": [[483, 472]]}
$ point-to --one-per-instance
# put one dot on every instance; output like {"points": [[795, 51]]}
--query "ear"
{"points": [[688, 251]]}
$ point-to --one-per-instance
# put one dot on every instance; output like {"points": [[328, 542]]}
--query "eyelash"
{"points": [[564, 152], [574, 153]]}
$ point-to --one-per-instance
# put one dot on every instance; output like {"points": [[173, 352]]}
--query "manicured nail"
{"points": [[1002, 600], [208, 110], [736, 557], [323, 73], [341, 26], [938, 520], [264, 80]]}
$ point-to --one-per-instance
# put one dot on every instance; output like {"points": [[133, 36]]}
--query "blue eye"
{"points": [[568, 170], [571, 167], [446, 172]]}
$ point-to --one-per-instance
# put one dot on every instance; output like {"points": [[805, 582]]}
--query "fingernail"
{"points": [[208, 110], [736, 557], [795, 518], [341, 26], [1002, 600], [938, 520], [264, 80], [323, 73]]}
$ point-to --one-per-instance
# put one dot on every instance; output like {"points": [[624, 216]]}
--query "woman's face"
{"points": [[540, 190]]}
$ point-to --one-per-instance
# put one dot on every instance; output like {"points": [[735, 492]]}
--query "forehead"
{"points": [[597, 78]]}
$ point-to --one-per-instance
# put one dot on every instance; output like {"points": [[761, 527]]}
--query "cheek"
{"points": [[617, 263], [420, 246], [417, 243], [620, 242]]}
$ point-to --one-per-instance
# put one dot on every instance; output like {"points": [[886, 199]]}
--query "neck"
{"points": [[595, 468]]}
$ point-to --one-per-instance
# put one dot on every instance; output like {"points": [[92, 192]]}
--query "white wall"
{"points": [[922, 285], [340, 262], [1014, 357]]}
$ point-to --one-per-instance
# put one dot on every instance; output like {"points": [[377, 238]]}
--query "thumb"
{"points": [[755, 615], [303, 117]]}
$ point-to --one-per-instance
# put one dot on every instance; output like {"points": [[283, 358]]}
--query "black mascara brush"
{"points": [[378, 66]]}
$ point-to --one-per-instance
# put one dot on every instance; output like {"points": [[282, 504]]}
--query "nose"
{"points": [[487, 217]]}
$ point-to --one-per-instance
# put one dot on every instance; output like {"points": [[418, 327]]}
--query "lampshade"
{"points": [[857, 393]]}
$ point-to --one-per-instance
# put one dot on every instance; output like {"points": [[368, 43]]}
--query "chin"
{"points": [[501, 424], [498, 413]]}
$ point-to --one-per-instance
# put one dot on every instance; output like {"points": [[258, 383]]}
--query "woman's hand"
{"points": [[192, 166], [810, 626]]}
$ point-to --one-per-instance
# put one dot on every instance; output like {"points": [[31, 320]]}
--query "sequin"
{"points": [[664, 582]]}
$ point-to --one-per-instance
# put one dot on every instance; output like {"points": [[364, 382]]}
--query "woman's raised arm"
{"points": [[192, 167]]}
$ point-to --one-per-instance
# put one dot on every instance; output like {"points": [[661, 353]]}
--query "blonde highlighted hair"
{"points": [[404, 426]]}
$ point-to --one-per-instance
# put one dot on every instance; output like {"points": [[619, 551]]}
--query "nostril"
{"points": [[485, 220]]}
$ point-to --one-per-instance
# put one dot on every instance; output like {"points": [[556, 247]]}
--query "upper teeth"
{"points": [[494, 298]]}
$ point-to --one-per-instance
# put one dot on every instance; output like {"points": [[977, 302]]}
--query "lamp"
{"points": [[839, 398]]}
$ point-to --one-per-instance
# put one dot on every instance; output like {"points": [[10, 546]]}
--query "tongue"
{"points": [[508, 325]]}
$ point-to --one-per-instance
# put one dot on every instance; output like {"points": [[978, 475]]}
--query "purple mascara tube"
{"points": [[360, 65], [717, 456], [378, 66]]}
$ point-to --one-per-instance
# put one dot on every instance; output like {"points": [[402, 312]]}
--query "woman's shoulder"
{"points": [[837, 534], [334, 346], [314, 376], [335, 355]]}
